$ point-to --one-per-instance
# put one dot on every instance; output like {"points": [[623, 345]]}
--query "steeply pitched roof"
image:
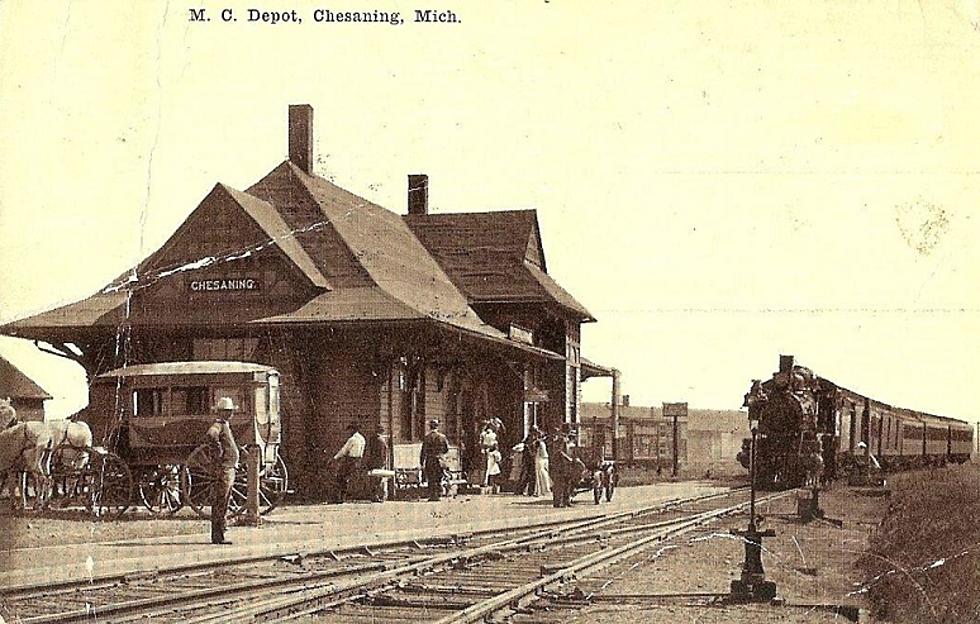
{"points": [[368, 261], [493, 256], [17, 385], [388, 257], [267, 218]]}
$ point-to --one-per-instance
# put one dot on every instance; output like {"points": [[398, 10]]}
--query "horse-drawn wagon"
{"points": [[155, 416], [152, 419]]}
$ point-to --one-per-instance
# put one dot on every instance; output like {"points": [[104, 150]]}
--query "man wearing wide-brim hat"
{"points": [[225, 462], [434, 448]]}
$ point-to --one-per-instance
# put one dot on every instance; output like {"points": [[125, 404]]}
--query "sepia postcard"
{"points": [[489, 311]]}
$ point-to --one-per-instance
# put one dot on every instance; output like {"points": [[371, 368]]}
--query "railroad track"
{"points": [[460, 571]]}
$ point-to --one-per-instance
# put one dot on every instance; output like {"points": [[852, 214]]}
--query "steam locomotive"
{"points": [[807, 423]]}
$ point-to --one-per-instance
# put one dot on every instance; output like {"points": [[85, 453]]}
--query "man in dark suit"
{"points": [[376, 458], [564, 471], [434, 448]]}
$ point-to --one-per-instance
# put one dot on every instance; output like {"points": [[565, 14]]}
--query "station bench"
{"points": [[410, 485]]}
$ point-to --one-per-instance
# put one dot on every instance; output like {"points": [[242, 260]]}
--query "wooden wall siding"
{"points": [[549, 330], [346, 390], [218, 226], [306, 467], [556, 383], [388, 412], [441, 394], [28, 409], [392, 396]]}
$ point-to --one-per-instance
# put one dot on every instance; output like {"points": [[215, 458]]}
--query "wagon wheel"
{"points": [[273, 484], [160, 489], [111, 488], [198, 479], [239, 491]]}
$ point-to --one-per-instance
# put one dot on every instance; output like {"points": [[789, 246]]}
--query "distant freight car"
{"points": [[801, 415]]}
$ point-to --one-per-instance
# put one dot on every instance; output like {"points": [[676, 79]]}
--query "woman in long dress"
{"points": [[542, 480]]}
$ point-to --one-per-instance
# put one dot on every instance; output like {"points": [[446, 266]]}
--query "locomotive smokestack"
{"points": [[785, 363]]}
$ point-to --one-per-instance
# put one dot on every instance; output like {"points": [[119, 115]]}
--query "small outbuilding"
{"points": [[25, 394]]}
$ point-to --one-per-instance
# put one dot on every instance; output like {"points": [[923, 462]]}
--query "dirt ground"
{"points": [[812, 564], [74, 527]]}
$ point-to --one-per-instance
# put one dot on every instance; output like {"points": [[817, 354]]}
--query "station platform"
{"points": [[306, 528]]}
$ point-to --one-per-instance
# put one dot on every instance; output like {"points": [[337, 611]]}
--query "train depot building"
{"points": [[382, 319]]}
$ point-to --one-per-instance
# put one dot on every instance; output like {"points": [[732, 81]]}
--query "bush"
{"points": [[923, 564]]}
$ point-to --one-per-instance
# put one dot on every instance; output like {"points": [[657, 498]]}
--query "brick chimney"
{"points": [[626, 400], [785, 363], [301, 136], [418, 194]]}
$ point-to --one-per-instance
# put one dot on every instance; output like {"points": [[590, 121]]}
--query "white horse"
{"points": [[70, 442], [70, 439], [24, 447]]}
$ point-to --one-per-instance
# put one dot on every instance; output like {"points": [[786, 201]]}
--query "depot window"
{"points": [[233, 349]]}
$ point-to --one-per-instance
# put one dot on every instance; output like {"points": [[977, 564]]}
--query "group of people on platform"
{"points": [[541, 465], [544, 465]]}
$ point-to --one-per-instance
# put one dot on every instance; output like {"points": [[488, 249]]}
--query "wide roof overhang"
{"points": [[591, 369], [103, 314]]}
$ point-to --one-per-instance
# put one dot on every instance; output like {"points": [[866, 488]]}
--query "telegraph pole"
{"points": [[615, 414], [675, 410]]}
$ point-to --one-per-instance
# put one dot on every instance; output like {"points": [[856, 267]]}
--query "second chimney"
{"points": [[626, 400], [301, 136], [418, 194]]}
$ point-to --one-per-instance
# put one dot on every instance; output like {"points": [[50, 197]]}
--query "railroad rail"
{"points": [[369, 578]]}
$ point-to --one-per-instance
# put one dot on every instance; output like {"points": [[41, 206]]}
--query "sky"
{"points": [[718, 183]]}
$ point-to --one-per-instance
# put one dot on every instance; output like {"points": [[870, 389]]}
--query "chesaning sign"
{"points": [[224, 285]]}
